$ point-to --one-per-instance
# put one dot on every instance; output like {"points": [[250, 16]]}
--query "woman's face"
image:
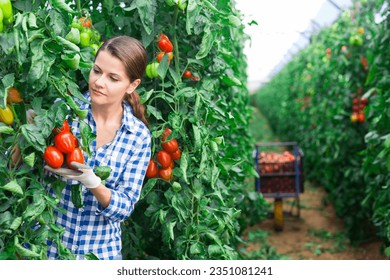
{"points": [[108, 81]]}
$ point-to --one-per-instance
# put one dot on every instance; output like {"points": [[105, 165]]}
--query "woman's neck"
{"points": [[107, 114]]}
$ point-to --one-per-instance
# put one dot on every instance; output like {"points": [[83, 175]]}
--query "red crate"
{"points": [[280, 173]]}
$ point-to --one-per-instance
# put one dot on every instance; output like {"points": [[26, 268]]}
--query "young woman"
{"points": [[122, 142]]}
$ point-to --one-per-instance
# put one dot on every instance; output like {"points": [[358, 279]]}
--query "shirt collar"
{"points": [[128, 119]]}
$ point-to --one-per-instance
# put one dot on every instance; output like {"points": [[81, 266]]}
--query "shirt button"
{"points": [[82, 210], [78, 228], [75, 247]]}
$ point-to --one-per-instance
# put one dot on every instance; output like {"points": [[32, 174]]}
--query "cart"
{"points": [[280, 178]]}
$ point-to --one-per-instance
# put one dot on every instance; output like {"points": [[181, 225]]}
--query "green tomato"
{"points": [[6, 7], [85, 39], [182, 4], [151, 70], [95, 48], [77, 24]]}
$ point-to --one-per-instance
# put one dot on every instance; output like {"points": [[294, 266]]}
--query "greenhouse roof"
{"points": [[283, 28]]}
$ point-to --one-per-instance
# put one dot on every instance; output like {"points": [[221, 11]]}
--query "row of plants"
{"points": [[194, 207], [333, 98]]}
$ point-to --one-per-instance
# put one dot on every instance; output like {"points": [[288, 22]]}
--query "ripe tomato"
{"points": [[161, 55], [76, 155], [165, 173], [187, 74], [14, 96], [152, 171], [53, 157], [65, 127], [165, 44], [85, 22], [364, 101], [164, 159], [170, 146], [64, 142], [361, 117], [167, 132], [176, 155]]}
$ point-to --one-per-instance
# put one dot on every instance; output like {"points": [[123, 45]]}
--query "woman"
{"points": [[122, 142]]}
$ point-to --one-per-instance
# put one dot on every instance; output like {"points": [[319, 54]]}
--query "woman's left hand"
{"points": [[82, 173]]}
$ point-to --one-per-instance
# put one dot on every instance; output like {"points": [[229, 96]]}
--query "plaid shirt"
{"points": [[91, 228]]}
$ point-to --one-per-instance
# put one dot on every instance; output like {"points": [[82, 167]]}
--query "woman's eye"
{"points": [[95, 70], [114, 79]]}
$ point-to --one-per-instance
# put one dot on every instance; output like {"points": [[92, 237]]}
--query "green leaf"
{"points": [[193, 10], [145, 97], [30, 159], [148, 187], [14, 187], [33, 137], [6, 129], [156, 113], [6, 82], [146, 10], [184, 164], [87, 136], [207, 43]]}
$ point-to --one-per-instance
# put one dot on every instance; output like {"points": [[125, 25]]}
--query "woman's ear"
{"points": [[134, 84]]}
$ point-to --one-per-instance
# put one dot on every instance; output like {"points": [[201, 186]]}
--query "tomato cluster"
{"points": [[166, 47], [83, 34], [358, 105], [6, 14], [170, 152], [65, 148]]}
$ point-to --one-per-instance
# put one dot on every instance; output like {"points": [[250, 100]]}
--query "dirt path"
{"points": [[317, 234]]}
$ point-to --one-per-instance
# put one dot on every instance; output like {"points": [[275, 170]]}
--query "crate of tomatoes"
{"points": [[280, 169]]}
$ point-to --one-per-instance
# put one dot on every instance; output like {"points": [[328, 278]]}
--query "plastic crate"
{"points": [[279, 178]]}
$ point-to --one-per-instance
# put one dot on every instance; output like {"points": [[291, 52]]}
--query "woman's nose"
{"points": [[100, 81]]}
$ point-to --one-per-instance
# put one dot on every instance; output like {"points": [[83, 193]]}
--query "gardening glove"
{"points": [[82, 173]]}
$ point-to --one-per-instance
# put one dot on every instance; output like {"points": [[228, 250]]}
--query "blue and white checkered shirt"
{"points": [[92, 228]]}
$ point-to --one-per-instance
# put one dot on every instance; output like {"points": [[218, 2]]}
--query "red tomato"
{"points": [[152, 170], [187, 74], [53, 157], [167, 132], [166, 173], [170, 146], [85, 22], [176, 155], [75, 155], [361, 117], [64, 142], [64, 127], [364, 101], [161, 55], [164, 159], [165, 44]]}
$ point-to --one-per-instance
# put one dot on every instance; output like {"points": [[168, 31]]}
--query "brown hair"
{"points": [[133, 55]]}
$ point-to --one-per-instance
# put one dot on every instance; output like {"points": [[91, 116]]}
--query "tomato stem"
{"points": [[174, 41]]}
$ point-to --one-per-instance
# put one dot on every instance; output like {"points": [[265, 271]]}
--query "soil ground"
{"points": [[317, 234]]}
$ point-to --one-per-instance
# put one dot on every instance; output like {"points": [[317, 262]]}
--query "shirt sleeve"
{"points": [[126, 195]]}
